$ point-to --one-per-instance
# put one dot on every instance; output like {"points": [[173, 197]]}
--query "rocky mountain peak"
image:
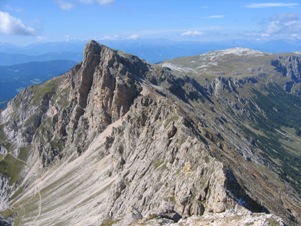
{"points": [[95, 52], [92, 44], [92, 51]]}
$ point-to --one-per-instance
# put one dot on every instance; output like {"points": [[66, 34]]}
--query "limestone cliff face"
{"points": [[102, 90], [117, 140], [289, 66], [77, 106]]}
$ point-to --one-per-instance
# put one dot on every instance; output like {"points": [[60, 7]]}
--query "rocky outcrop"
{"points": [[5, 222], [151, 178], [104, 88], [289, 66], [4, 192], [232, 217]]}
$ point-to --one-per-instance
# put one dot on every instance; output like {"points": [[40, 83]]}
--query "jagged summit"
{"points": [[119, 140], [91, 49], [97, 48], [92, 45]]}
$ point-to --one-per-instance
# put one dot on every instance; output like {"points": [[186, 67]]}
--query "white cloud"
{"points": [[270, 5], [298, 36], [192, 33], [133, 37], [10, 25], [41, 38], [215, 16], [285, 17], [65, 5], [256, 34], [280, 26], [110, 37], [101, 2], [285, 23], [67, 38]]}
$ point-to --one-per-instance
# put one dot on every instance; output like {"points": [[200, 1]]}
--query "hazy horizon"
{"points": [[23, 23]]}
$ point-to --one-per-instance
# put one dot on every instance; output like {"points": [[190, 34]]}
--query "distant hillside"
{"points": [[9, 59], [17, 77]]}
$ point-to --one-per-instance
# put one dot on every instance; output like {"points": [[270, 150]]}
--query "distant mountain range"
{"points": [[152, 50], [17, 77], [9, 59]]}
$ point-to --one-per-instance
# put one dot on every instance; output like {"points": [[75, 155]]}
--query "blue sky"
{"points": [[25, 22]]}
